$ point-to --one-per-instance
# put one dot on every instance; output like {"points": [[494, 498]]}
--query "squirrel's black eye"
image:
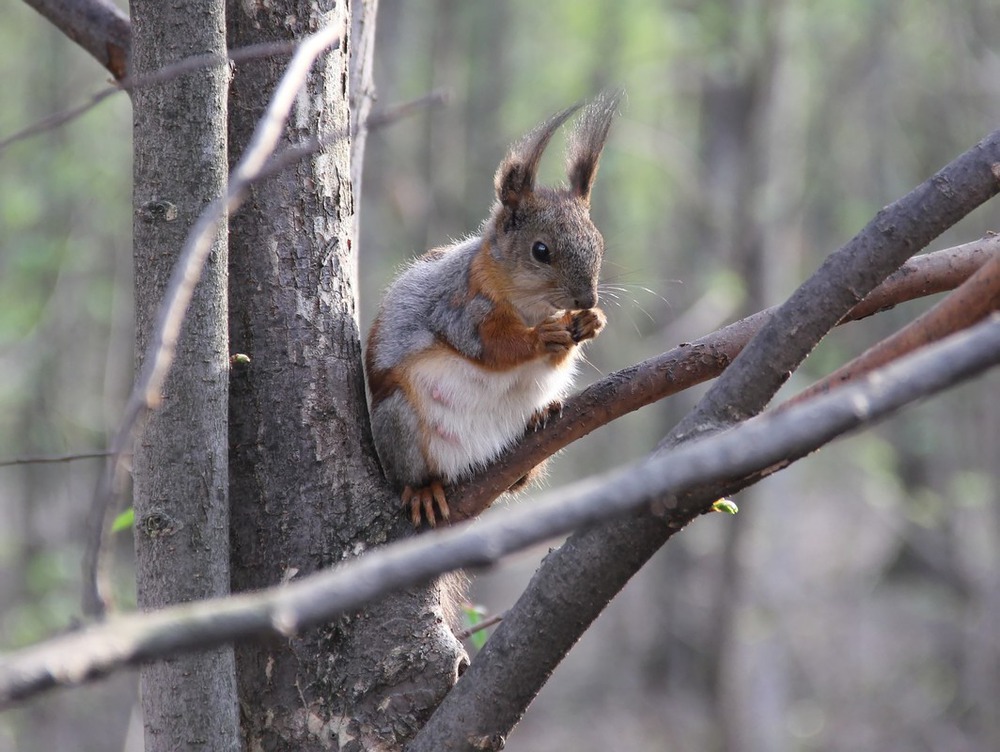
{"points": [[540, 252]]}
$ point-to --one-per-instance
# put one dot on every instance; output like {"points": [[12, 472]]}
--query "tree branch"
{"points": [[753, 446], [975, 299], [164, 74], [593, 565], [693, 363], [98, 26], [848, 275], [102, 507], [159, 356], [42, 459], [375, 121]]}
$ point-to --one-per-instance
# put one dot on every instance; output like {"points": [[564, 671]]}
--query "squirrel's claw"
{"points": [[541, 417], [407, 498], [421, 502]]}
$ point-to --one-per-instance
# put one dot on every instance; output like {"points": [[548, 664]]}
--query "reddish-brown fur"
{"points": [[507, 340]]}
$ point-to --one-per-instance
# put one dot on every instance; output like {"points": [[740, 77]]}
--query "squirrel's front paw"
{"points": [[421, 503], [587, 324], [556, 334]]}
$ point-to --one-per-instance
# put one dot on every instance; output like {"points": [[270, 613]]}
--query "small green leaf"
{"points": [[239, 359], [473, 616], [725, 505], [124, 521]]}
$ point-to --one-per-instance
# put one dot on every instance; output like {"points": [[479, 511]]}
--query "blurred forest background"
{"points": [[853, 604]]}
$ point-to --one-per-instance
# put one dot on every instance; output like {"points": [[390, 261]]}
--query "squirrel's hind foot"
{"points": [[541, 417], [421, 501]]}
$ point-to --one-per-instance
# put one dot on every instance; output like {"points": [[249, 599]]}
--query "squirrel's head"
{"points": [[544, 237]]}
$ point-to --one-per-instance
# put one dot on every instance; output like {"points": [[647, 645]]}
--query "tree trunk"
{"points": [[307, 491], [180, 466]]}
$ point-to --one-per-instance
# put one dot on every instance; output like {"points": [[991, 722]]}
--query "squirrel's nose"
{"points": [[586, 300]]}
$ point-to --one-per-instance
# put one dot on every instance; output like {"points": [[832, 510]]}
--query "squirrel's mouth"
{"points": [[535, 309], [570, 302]]}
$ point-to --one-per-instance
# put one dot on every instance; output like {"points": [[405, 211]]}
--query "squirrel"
{"points": [[476, 343]]}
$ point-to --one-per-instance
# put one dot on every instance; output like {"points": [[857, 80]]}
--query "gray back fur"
{"points": [[428, 301]]}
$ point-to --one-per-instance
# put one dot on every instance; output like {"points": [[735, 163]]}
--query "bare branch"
{"points": [[164, 74], [693, 363], [43, 459], [977, 297], [390, 115], [476, 628], [376, 120], [842, 281], [592, 566], [98, 26], [750, 447], [95, 568], [146, 391]]}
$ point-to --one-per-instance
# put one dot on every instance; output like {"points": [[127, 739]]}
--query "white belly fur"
{"points": [[473, 414]]}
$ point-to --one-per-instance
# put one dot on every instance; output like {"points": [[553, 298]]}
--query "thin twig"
{"points": [[160, 353], [41, 459], [96, 565], [377, 120], [480, 626], [749, 447], [159, 76], [388, 116]]}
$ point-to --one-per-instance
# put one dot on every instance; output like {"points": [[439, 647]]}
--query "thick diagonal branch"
{"points": [[976, 298], [576, 582], [693, 363], [313, 600]]}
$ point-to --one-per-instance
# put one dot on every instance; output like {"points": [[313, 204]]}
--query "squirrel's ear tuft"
{"points": [[587, 141], [515, 178]]}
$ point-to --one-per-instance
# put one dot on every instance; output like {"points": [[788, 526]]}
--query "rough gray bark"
{"points": [[180, 464], [306, 487]]}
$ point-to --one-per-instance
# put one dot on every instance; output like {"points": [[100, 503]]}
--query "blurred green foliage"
{"points": [[65, 313]]}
